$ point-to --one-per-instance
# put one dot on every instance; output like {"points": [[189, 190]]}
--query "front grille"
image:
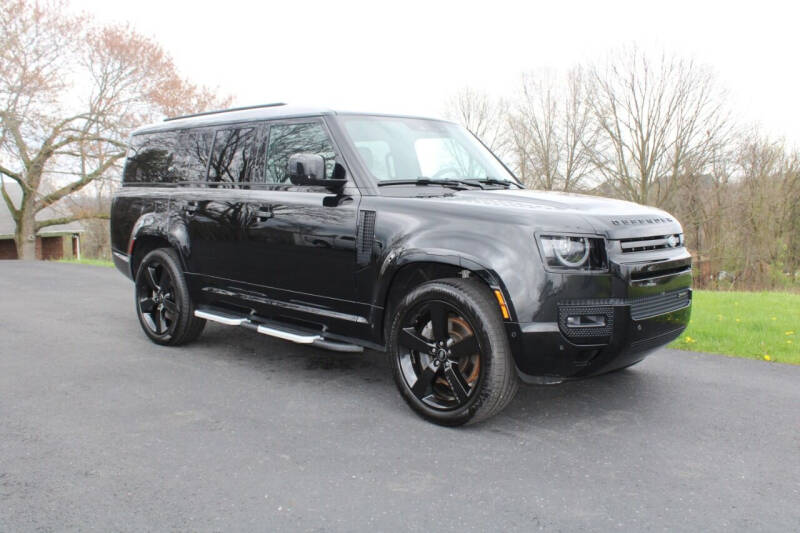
{"points": [[643, 244], [658, 305], [641, 308]]}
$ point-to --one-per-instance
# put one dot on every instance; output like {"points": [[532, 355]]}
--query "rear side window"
{"points": [[288, 139], [168, 157], [193, 149], [151, 159], [233, 156]]}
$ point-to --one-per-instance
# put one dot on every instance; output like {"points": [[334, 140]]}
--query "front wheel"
{"points": [[163, 304], [450, 355]]}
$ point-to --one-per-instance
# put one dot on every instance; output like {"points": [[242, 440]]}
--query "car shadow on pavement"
{"points": [[625, 394], [622, 395], [244, 347]]}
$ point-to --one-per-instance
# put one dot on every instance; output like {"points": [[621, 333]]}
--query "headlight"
{"points": [[566, 252]]}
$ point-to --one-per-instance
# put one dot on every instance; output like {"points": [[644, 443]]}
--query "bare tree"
{"points": [[69, 94], [741, 217], [481, 114], [769, 192], [551, 130], [659, 120], [656, 130]]}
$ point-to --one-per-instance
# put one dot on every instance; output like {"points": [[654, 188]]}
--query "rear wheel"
{"points": [[449, 352], [163, 304]]}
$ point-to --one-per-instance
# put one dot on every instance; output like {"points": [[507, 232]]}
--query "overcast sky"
{"points": [[409, 56]]}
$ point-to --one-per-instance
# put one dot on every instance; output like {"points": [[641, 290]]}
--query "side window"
{"points": [[233, 155], [288, 139], [192, 151], [151, 159]]}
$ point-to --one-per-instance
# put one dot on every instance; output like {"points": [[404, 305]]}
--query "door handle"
{"points": [[262, 214]]}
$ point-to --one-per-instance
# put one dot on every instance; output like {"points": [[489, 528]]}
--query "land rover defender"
{"points": [[346, 231]]}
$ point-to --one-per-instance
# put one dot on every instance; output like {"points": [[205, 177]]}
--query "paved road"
{"points": [[102, 430]]}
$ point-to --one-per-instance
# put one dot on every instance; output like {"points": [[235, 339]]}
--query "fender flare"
{"points": [[161, 225], [394, 262]]}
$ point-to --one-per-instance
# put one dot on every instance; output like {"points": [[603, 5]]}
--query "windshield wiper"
{"points": [[453, 184], [459, 184], [492, 181]]}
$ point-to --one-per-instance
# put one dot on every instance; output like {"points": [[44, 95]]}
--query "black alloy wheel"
{"points": [[439, 355], [450, 354], [163, 305], [156, 299]]}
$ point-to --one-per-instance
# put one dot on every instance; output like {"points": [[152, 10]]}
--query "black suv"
{"points": [[403, 234]]}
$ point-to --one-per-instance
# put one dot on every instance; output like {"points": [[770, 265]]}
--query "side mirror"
{"points": [[309, 170]]}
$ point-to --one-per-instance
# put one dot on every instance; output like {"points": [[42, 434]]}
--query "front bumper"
{"points": [[551, 352], [589, 326]]}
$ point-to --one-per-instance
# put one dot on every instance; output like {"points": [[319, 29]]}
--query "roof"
{"points": [[7, 223], [251, 114]]}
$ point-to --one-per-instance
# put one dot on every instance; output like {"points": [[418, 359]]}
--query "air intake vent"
{"points": [[366, 237], [658, 305], [657, 242]]}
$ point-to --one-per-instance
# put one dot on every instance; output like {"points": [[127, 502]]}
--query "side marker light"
{"points": [[502, 302]]}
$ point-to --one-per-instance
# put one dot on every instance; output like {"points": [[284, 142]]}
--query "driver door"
{"points": [[300, 248]]}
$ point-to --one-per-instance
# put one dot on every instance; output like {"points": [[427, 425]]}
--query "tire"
{"points": [[163, 304], [449, 352]]}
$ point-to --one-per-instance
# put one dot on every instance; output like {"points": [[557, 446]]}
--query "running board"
{"points": [[274, 330]]}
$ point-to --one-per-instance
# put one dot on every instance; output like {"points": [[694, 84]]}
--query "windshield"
{"points": [[396, 148]]}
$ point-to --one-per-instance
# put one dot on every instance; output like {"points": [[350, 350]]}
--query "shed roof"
{"points": [[7, 222]]}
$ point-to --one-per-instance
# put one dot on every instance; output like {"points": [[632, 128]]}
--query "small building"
{"points": [[52, 242]]}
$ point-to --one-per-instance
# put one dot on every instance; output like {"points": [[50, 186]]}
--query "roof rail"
{"points": [[224, 111]]}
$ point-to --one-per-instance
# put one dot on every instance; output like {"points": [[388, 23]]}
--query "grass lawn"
{"points": [[95, 262], [757, 325]]}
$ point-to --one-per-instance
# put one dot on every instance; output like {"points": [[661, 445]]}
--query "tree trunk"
{"points": [[25, 235]]}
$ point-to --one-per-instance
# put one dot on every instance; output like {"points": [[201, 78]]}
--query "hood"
{"points": [[615, 219]]}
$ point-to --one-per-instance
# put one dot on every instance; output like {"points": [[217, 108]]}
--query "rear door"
{"points": [[212, 206]]}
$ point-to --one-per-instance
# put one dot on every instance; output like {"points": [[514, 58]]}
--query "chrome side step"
{"points": [[221, 319], [274, 330], [287, 336]]}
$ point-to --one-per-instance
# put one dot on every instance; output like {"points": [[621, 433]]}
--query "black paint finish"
{"points": [[307, 256]]}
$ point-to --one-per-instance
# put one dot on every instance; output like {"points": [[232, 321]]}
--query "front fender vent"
{"points": [[365, 238]]}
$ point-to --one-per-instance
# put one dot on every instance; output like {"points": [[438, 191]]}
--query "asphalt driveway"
{"points": [[102, 430]]}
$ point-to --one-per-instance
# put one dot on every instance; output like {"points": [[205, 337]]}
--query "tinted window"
{"points": [[233, 155], [168, 157], [191, 155], [151, 159], [288, 139]]}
